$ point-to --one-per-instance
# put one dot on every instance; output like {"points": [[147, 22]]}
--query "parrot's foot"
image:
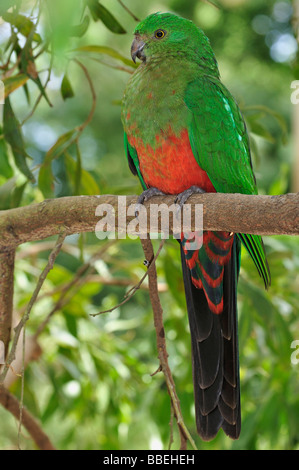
{"points": [[184, 196], [145, 196]]}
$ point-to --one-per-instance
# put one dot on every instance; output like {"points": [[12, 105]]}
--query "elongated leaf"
{"points": [[46, 177], [23, 24], [62, 143], [99, 12], [107, 51], [13, 83], [17, 195], [5, 168], [258, 129], [6, 193], [78, 172], [63, 15], [279, 118], [79, 30], [46, 181], [28, 65], [18, 51], [88, 185], [11, 194], [66, 88], [14, 137], [26, 91]]}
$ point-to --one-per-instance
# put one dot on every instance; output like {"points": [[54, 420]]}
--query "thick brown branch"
{"points": [[10, 402], [6, 300], [264, 215]]}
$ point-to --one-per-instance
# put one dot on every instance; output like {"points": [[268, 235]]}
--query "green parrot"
{"points": [[184, 133]]}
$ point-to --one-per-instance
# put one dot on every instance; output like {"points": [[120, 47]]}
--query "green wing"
{"points": [[133, 160], [219, 142]]}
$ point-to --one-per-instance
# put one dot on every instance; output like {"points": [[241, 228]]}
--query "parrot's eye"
{"points": [[159, 34]]}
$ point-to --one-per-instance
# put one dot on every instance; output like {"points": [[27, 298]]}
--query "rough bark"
{"points": [[264, 215], [6, 299]]}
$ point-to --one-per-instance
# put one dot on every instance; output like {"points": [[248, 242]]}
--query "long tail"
{"points": [[211, 295]]}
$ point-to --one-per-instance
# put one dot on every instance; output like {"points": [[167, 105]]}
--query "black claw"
{"points": [[184, 196], [148, 193], [145, 196]]}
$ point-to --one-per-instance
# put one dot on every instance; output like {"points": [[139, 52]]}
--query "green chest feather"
{"points": [[154, 102]]}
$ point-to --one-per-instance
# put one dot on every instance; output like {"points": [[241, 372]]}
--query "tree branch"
{"points": [[6, 299], [10, 403], [12, 354], [240, 213], [161, 343]]}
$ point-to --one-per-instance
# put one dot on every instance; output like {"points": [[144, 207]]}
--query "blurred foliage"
{"points": [[64, 66]]}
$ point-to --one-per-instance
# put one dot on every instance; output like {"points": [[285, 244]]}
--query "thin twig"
{"points": [[129, 11], [94, 97], [134, 289], [161, 343], [114, 66], [12, 354], [171, 427], [78, 280], [22, 390], [92, 278], [11, 404]]}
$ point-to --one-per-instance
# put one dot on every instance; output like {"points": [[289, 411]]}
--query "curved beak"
{"points": [[137, 49]]}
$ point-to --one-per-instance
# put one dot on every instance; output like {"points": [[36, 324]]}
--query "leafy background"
{"points": [[91, 385]]}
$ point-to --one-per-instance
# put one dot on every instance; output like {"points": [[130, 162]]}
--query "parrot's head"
{"points": [[166, 35]]}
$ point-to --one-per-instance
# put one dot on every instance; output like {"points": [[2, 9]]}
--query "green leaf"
{"points": [[46, 177], [62, 143], [107, 51], [10, 194], [23, 24], [13, 83], [260, 130], [5, 168], [99, 12], [280, 185], [78, 172], [79, 30], [66, 88], [14, 137], [5, 194], [6, 4], [26, 91], [28, 65], [46, 181], [17, 195], [277, 116], [18, 51], [88, 185], [50, 408]]}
